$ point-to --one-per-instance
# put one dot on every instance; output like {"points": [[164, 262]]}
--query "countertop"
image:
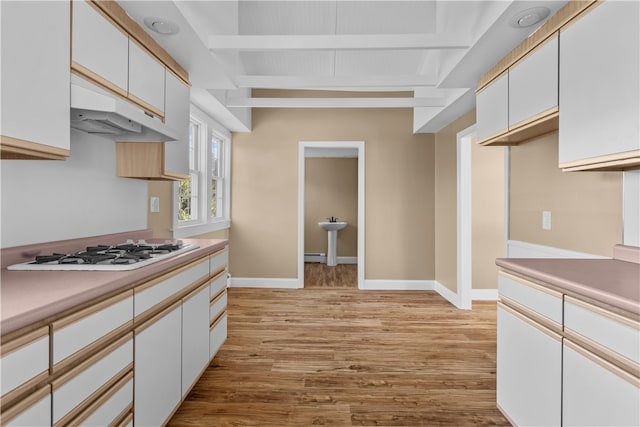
{"points": [[613, 282], [27, 297]]}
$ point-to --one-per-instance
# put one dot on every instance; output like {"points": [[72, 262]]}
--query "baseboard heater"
{"points": [[315, 254]]}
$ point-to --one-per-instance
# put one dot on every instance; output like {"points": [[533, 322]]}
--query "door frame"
{"points": [[331, 147]]}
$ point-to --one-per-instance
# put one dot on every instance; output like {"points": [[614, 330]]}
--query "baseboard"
{"points": [[323, 259], [447, 294], [519, 249], [252, 282], [398, 285], [484, 294]]}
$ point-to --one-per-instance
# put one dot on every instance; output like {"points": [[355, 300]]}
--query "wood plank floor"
{"points": [[317, 275], [344, 357]]}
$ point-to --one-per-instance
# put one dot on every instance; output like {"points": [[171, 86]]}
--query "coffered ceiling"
{"points": [[423, 54]]}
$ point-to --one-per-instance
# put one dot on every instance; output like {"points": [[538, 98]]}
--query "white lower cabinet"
{"points": [[195, 336], [157, 373], [529, 358], [112, 407], [217, 334], [597, 393], [33, 411]]}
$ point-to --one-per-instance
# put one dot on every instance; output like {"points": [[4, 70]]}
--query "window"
{"points": [[202, 202]]}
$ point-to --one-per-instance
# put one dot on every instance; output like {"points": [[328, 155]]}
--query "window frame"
{"points": [[205, 223]]}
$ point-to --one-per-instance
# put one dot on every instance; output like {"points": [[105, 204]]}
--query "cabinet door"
{"points": [[99, 49], [599, 85], [596, 393], [529, 363], [35, 73], [492, 108], [177, 106], [157, 372], [24, 359], [35, 410], [195, 337], [146, 79], [533, 84]]}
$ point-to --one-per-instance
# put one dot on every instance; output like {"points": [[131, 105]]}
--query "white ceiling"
{"points": [[436, 50]]}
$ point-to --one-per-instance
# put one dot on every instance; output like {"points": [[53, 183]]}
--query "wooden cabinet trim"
{"points": [[8, 399], [67, 376], [89, 75], [218, 297], [532, 284], [195, 291], [218, 274], [155, 317], [76, 317], [538, 125], [571, 11], [611, 162], [631, 379], [161, 307], [126, 421], [122, 20], [532, 315], [146, 106], [172, 273], [15, 149], [23, 405], [531, 322], [22, 341], [603, 312], [218, 320], [91, 408], [143, 160]]}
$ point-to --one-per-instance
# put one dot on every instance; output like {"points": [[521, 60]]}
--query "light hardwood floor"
{"points": [[344, 357], [317, 275]]}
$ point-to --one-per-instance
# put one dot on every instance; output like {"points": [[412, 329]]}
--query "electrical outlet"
{"points": [[154, 204], [546, 220]]}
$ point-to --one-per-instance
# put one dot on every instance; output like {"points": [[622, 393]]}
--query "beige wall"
{"points": [[399, 190], [586, 207], [446, 246], [487, 214], [331, 189]]}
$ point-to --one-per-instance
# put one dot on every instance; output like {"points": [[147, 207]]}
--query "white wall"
{"points": [[46, 200]]}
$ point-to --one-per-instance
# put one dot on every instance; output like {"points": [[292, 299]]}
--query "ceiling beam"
{"points": [[394, 102], [323, 82], [339, 42]]}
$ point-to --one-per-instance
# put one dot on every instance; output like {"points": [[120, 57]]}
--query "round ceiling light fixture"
{"points": [[529, 17], [161, 26]]}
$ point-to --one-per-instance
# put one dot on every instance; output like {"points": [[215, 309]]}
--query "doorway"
{"points": [[331, 149]]}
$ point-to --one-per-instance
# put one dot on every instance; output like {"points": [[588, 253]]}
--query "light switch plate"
{"points": [[546, 220], [154, 204]]}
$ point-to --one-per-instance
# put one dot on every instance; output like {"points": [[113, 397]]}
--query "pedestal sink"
{"points": [[332, 229]]}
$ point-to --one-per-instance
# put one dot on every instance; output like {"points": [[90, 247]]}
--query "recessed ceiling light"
{"points": [[529, 17], [161, 26]]}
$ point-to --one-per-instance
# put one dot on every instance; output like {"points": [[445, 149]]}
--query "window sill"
{"points": [[190, 230]]}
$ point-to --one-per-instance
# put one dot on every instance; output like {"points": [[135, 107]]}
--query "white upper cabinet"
{"points": [[146, 79], [492, 112], [177, 104], [100, 50], [35, 62], [599, 88], [533, 84]]}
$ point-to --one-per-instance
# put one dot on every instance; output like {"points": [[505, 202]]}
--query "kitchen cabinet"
{"points": [[35, 410], [600, 90], [157, 374], [492, 109], [146, 160], [146, 79], [217, 334], [90, 379], [112, 407], [533, 85], [35, 60], [596, 392], [529, 353], [195, 336], [99, 49], [177, 117], [25, 362]]}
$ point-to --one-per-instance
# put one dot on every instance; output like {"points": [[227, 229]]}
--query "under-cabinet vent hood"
{"points": [[95, 111]]}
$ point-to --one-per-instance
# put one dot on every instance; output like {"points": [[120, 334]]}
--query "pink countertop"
{"points": [[610, 281], [27, 297]]}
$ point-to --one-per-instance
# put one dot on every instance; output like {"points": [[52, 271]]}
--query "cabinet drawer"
{"points": [[111, 406], [596, 393], [24, 359], [542, 301], [218, 283], [90, 379], [96, 323], [219, 260], [217, 334], [35, 410], [609, 330], [218, 305], [156, 291]]}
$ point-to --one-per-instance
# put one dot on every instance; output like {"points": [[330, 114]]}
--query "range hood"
{"points": [[98, 112]]}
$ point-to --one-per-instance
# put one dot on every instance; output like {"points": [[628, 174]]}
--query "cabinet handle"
{"points": [[622, 374]]}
